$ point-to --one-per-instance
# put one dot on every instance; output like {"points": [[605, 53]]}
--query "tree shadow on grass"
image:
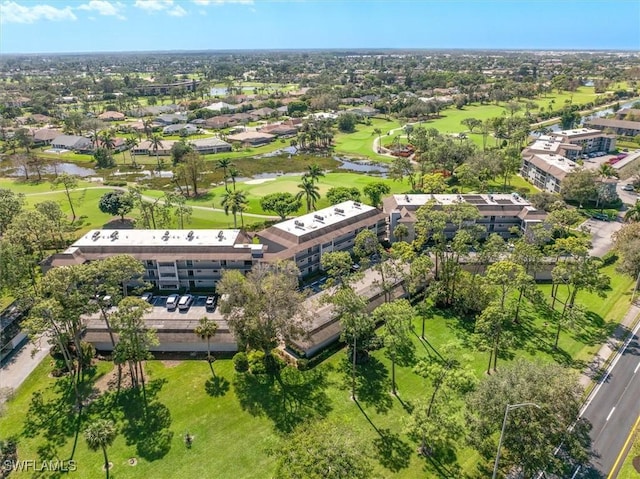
{"points": [[392, 452], [373, 384], [216, 386], [288, 398], [146, 425]]}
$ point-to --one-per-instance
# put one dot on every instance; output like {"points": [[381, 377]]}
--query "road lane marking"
{"points": [[613, 409], [636, 369], [614, 470]]}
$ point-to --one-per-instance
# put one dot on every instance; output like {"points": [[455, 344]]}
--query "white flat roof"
{"points": [[558, 161], [546, 143], [476, 199], [158, 238], [323, 218], [577, 131]]}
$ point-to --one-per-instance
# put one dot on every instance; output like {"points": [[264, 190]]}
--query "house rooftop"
{"points": [[325, 218], [169, 238], [450, 199]]}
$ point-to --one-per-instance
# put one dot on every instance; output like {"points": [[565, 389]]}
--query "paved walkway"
{"points": [[611, 347], [16, 369]]}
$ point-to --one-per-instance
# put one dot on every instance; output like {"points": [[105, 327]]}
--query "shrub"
{"points": [[303, 364], [609, 258], [115, 183], [256, 362], [240, 362]]}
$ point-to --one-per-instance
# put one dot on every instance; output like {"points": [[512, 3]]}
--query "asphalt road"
{"points": [[614, 407]]}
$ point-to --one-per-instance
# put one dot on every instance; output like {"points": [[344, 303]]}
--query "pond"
{"points": [[58, 168], [363, 166], [219, 91]]}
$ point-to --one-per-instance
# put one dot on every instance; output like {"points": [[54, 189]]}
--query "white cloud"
{"points": [[222, 2], [154, 5], [12, 12], [104, 7], [177, 11]]}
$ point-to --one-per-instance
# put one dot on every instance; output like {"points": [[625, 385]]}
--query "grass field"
{"points": [[628, 471], [360, 143], [234, 420]]}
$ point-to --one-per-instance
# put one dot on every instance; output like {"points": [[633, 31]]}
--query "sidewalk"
{"points": [[17, 368], [606, 352]]}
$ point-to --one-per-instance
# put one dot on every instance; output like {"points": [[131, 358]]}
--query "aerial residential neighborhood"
{"points": [[245, 239]]}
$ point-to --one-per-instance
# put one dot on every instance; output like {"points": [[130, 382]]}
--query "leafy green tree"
{"points": [[206, 329], [632, 214], [627, 242], [264, 307], [347, 122], [433, 183], [321, 451], [436, 427], [135, 338], [116, 203], [374, 191], [156, 145], [396, 334], [69, 183], [580, 185], [11, 205], [339, 194], [283, 204], [401, 232], [194, 168], [104, 158], [531, 435], [309, 191], [179, 150], [402, 168], [471, 123], [338, 266], [100, 434]]}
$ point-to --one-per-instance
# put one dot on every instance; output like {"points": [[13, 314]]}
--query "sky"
{"points": [[64, 26]]}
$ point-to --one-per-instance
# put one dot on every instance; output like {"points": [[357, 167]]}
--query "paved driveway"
{"points": [[601, 235]]}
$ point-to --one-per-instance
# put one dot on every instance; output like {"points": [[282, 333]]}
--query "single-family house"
{"points": [[242, 117], [280, 130], [252, 138], [261, 113], [39, 118], [45, 136], [363, 111], [219, 122], [146, 148], [180, 129], [71, 142], [206, 146], [220, 105], [111, 116], [171, 118]]}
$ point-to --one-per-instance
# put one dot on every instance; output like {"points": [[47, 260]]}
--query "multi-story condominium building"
{"points": [[499, 213], [173, 259], [587, 140], [620, 127], [546, 170], [182, 259], [306, 238]]}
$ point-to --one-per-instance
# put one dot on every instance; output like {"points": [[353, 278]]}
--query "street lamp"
{"points": [[504, 424]]}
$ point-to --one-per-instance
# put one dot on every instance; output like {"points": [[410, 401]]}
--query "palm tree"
{"points": [[207, 329], [146, 124], [131, 143], [107, 139], [309, 191], [224, 164], [314, 173], [233, 174], [633, 213], [156, 143], [234, 202], [606, 171], [100, 434]]}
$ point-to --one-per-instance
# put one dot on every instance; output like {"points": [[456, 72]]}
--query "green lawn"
{"points": [[628, 471], [360, 143], [235, 419]]}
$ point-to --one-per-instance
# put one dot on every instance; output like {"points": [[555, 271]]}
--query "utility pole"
{"points": [[509, 407]]}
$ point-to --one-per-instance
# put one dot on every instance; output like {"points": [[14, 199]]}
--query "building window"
{"points": [[189, 262]]}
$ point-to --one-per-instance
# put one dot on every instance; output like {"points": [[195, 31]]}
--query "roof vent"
{"points": [[319, 218], [299, 224], [114, 236], [190, 235], [339, 211], [95, 235], [407, 199], [356, 204]]}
